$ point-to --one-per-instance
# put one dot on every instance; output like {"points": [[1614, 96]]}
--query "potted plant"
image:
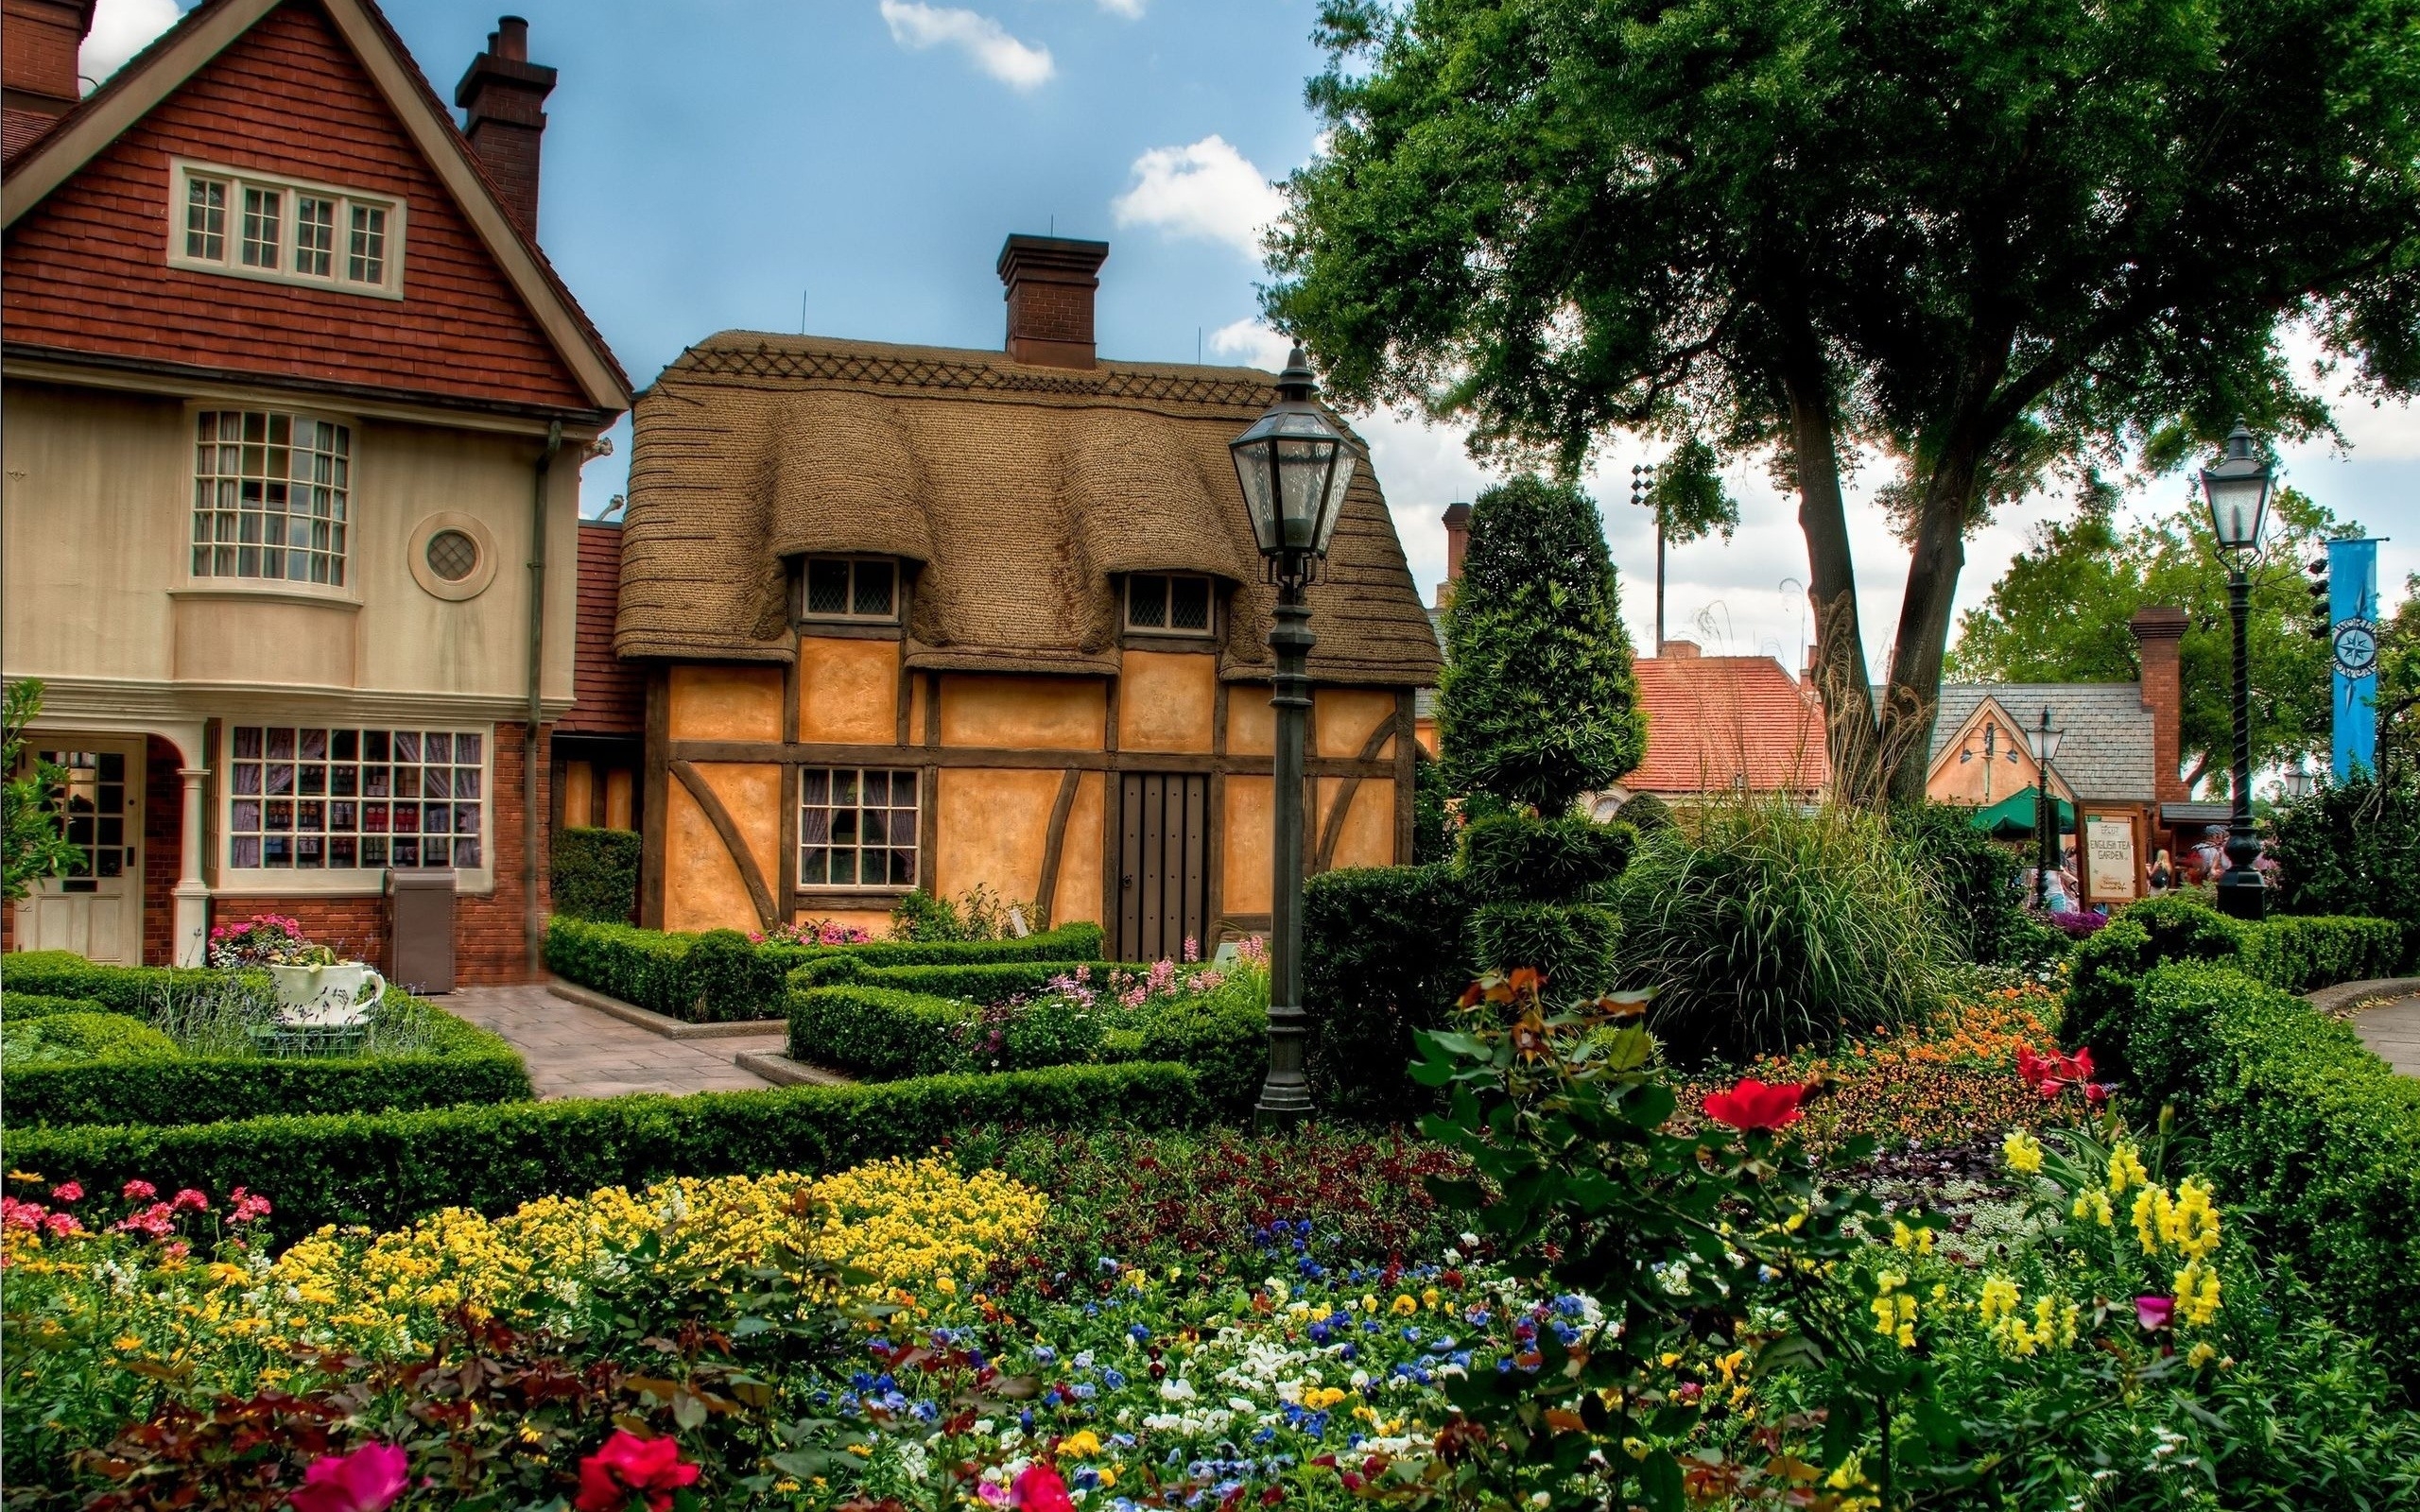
{"points": [[316, 990]]}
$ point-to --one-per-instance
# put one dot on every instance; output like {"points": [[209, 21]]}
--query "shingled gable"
{"points": [[1018, 488], [485, 320]]}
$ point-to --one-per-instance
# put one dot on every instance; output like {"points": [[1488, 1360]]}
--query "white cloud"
{"points": [[1257, 344], [1131, 9], [121, 28], [1019, 65], [1206, 189]]}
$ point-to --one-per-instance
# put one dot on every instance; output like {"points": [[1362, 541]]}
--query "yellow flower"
{"points": [[125, 1343], [1369, 1303], [2126, 1169], [944, 1285], [1405, 1306], [1109, 1477], [1080, 1444], [2200, 1355], [1999, 1299], [2093, 1205], [2022, 1151]]}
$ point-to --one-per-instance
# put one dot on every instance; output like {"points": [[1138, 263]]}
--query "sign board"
{"points": [[2353, 609], [2112, 861]]}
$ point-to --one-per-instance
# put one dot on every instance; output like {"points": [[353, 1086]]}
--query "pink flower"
{"points": [[991, 1494], [246, 1207], [175, 1250], [630, 1466], [1038, 1489], [189, 1200], [158, 1220], [368, 1480], [27, 1216], [138, 1190], [63, 1223], [67, 1191], [2155, 1312]]}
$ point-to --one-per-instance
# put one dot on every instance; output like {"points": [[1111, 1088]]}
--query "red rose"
{"points": [[629, 1465], [1753, 1105]]}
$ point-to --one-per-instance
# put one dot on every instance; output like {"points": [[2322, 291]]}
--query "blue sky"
{"points": [[714, 164]]}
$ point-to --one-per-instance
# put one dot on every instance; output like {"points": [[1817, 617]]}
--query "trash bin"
{"points": [[420, 930]]}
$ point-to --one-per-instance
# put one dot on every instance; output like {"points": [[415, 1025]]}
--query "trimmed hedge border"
{"points": [[127, 990], [2315, 1136], [596, 874], [722, 977], [388, 1169], [16, 1006], [98, 1038]]}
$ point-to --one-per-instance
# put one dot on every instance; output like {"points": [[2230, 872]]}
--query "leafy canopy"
{"points": [[1981, 238], [37, 847], [1538, 704], [2059, 612]]}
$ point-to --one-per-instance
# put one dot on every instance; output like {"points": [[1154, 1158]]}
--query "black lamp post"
{"points": [[1294, 465], [2237, 492], [2044, 743]]}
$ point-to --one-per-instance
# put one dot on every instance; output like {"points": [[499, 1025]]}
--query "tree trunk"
{"points": [[1840, 676], [1933, 565]]}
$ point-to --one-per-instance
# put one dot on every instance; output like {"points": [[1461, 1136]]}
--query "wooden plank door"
{"points": [[95, 909], [1164, 864]]}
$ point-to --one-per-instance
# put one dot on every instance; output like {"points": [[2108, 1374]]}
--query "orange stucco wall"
{"points": [[872, 921], [1078, 894], [1251, 723], [1023, 714], [1165, 702], [848, 691], [1245, 862], [1368, 838], [726, 703], [1344, 718], [702, 887], [752, 797], [1982, 782], [580, 793], [991, 829], [619, 790]]}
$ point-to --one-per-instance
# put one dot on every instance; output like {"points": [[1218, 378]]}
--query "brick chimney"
{"points": [[1051, 282], [503, 97], [2157, 629], [37, 45], [1680, 651], [1457, 541]]}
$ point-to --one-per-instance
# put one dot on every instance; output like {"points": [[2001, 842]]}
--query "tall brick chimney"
{"points": [[1051, 282], [38, 44], [1457, 541], [2157, 629], [503, 97]]}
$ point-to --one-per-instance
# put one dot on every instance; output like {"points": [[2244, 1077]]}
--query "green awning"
{"points": [[2013, 816]]}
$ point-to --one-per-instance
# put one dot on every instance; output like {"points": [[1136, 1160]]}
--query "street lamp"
{"points": [[2044, 743], [2237, 492], [1642, 492], [1294, 466]]}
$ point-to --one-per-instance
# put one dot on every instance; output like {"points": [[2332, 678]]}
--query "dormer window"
{"points": [[251, 225], [1168, 603], [860, 589]]}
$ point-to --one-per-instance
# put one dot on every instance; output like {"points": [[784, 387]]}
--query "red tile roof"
{"points": [[1714, 719], [20, 129], [608, 698]]}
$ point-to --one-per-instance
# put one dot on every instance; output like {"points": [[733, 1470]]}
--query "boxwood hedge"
{"points": [[49, 1040], [386, 1169], [20, 1005], [130, 990]]}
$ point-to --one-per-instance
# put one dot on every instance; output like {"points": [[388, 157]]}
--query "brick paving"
{"points": [[2393, 1029], [578, 1052]]}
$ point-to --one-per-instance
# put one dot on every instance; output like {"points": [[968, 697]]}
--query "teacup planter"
{"points": [[326, 997]]}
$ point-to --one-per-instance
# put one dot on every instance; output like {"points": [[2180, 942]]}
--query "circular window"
{"points": [[452, 555]]}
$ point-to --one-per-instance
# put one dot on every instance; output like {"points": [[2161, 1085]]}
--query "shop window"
{"points": [[307, 799], [857, 827]]}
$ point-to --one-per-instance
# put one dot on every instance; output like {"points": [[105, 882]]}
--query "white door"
{"points": [[95, 909]]}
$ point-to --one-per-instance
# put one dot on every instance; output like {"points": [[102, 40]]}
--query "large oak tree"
{"points": [[1985, 238]]}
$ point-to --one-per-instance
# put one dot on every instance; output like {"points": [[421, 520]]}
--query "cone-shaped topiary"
{"points": [[1538, 704]]}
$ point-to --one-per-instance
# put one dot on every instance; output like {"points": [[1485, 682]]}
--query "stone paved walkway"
{"points": [[2393, 1029], [578, 1052]]}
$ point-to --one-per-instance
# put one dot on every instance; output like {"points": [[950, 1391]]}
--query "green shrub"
{"points": [[1385, 951], [134, 990], [981, 981], [980, 915], [1432, 825], [736, 980], [2313, 1137], [1973, 880], [1763, 927], [17, 1007], [78, 1040], [460, 1063], [1510, 856], [2303, 952], [1222, 1037], [1645, 812], [2354, 849], [388, 1169], [879, 1032], [1573, 944], [597, 874]]}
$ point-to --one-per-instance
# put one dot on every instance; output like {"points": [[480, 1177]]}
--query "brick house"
{"points": [[297, 410], [933, 617]]}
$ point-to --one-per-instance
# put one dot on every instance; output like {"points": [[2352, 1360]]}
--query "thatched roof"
{"points": [[1019, 490]]}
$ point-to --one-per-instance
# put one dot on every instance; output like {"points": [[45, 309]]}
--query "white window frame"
{"points": [[182, 172], [914, 849], [849, 617], [276, 882], [1209, 587], [348, 591]]}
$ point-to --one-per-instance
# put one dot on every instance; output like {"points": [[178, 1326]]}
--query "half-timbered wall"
{"points": [[1018, 780]]}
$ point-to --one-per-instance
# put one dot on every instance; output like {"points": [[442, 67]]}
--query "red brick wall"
{"points": [[87, 269], [163, 847], [38, 46], [488, 940], [608, 698]]}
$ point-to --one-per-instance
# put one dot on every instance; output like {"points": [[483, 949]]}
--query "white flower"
{"points": [[1241, 1404], [1176, 1389], [1361, 1379]]}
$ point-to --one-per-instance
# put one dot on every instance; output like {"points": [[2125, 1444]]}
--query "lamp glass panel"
{"points": [[1304, 465], [1338, 482], [1253, 471]]}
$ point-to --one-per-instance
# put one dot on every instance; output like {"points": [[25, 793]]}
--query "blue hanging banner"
{"points": [[2353, 612]]}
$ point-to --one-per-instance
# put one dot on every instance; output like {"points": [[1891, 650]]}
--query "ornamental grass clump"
{"points": [[1763, 927]]}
